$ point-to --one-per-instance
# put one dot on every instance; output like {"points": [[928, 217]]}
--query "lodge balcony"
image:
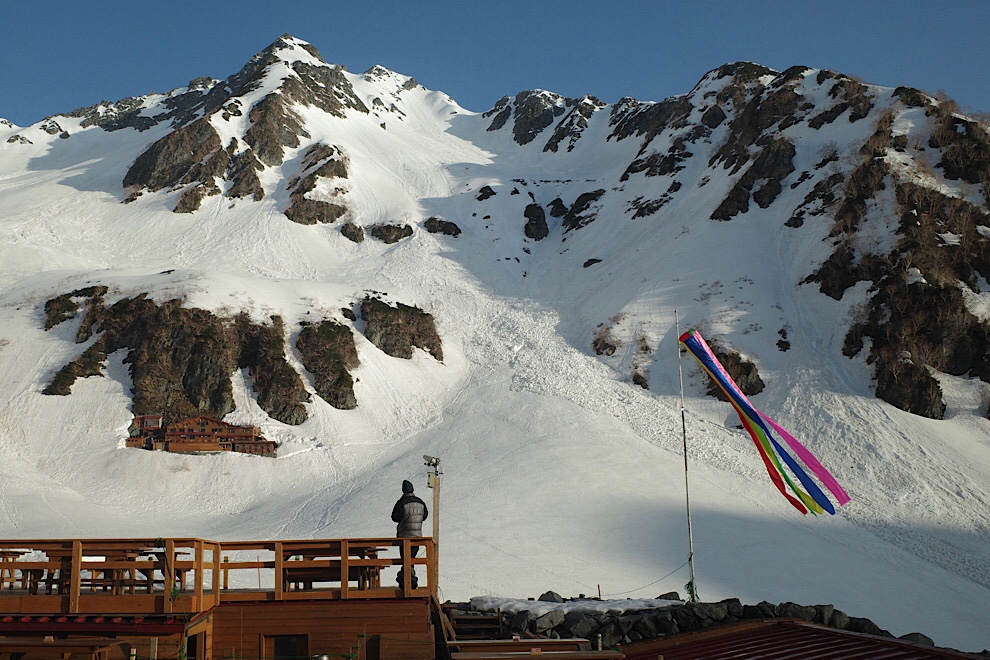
{"points": [[136, 577]]}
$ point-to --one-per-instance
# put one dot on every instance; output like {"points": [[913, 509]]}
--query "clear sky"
{"points": [[58, 55]]}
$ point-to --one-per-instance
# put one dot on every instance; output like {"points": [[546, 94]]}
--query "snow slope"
{"points": [[559, 473]]}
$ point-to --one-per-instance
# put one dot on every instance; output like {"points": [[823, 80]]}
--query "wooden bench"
{"points": [[294, 578]]}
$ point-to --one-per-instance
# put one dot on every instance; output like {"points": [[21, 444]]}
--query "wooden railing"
{"points": [[188, 575]]}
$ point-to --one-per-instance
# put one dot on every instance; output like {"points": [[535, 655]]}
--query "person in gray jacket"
{"points": [[409, 513]]}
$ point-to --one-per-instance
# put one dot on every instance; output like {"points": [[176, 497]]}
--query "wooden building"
{"points": [[159, 599], [198, 434]]}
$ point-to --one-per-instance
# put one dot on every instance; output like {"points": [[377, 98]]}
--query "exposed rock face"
{"points": [[181, 360], [244, 170], [572, 126], [437, 225], [534, 111], [743, 372], [352, 232], [914, 323], [485, 193], [262, 352], [320, 162], [64, 307], [536, 222], [397, 330], [581, 212], [771, 167], [391, 233], [192, 153], [328, 353]]}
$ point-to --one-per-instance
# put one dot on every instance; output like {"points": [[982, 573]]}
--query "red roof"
{"points": [[780, 639]]}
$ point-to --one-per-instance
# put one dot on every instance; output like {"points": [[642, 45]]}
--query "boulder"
{"points": [[612, 634], [918, 638], [839, 620], [536, 222], [708, 613], [397, 330], [862, 625], [547, 621], [437, 225], [733, 607], [391, 233], [352, 232], [795, 611], [521, 621], [580, 624]]}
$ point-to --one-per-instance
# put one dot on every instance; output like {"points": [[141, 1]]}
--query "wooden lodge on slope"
{"points": [[198, 434]]}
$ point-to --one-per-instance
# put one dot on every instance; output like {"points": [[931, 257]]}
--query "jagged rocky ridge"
{"points": [[193, 158], [740, 119], [181, 359]]}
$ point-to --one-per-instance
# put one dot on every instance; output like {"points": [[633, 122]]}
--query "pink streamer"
{"points": [[809, 459]]}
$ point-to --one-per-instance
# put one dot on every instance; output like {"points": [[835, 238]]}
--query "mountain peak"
{"points": [[290, 49]]}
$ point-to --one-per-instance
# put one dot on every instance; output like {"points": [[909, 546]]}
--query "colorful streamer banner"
{"points": [[761, 429]]}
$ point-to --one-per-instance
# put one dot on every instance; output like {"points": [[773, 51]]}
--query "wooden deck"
{"points": [[188, 575]]}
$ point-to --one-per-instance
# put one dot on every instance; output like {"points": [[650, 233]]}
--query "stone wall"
{"points": [[618, 626]]}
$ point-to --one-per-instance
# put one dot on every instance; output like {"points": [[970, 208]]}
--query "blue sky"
{"points": [[57, 56]]}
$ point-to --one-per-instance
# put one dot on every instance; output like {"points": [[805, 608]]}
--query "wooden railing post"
{"points": [[198, 567], [345, 568], [433, 566], [168, 574], [74, 583], [279, 571], [215, 577]]}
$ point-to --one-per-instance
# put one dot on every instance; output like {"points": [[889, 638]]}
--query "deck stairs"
{"points": [[475, 625]]}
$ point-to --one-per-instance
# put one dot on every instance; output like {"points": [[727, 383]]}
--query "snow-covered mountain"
{"points": [[831, 233]]}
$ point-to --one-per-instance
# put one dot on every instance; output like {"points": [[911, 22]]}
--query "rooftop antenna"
{"points": [[691, 586]]}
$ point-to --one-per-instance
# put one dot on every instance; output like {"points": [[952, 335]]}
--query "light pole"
{"points": [[433, 481]]}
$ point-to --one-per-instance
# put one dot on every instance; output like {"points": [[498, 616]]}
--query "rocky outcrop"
{"points": [[572, 126], [64, 307], [532, 112], [769, 169], [398, 329], [391, 233], [280, 391], [581, 212], [321, 162], [743, 372], [536, 222], [352, 232], [328, 352], [182, 359], [192, 155], [916, 316], [437, 225]]}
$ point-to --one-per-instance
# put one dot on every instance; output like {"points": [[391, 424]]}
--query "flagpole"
{"points": [[692, 586]]}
